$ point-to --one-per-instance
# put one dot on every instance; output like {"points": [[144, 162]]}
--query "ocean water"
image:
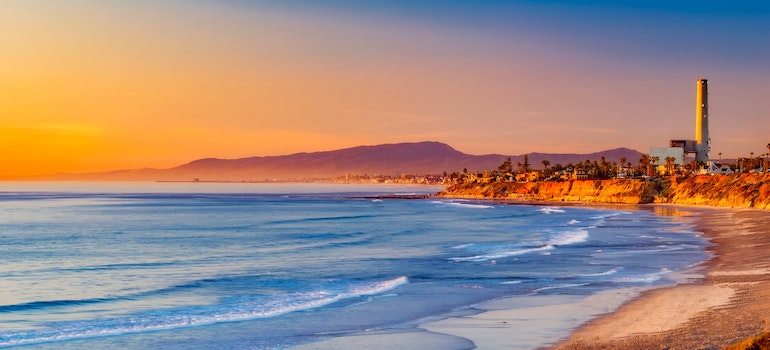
{"points": [[269, 266]]}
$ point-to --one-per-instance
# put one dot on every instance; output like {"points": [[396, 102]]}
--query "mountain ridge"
{"points": [[415, 158]]}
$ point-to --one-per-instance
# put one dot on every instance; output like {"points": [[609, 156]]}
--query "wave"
{"points": [[605, 273], [36, 305], [502, 254], [644, 278], [569, 237], [324, 218], [551, 210], [597, 274], [229, 310], [559, 286], [464, 205], [559, 239]]}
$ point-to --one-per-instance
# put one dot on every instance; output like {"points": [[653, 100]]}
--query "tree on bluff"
{"points": [[524, 166], [506, 167]]}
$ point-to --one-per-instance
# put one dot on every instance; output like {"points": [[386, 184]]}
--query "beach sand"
{"points": [[720, 302], [731, 303]]}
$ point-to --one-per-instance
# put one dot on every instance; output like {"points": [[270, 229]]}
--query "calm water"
{"points": [[264, 266]]}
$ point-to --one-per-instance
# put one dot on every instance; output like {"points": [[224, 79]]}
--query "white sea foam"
{"points": [[203, 315], [644, 278], [560, 286], [569, 237], [551, 210], [462, 246], [573, 222], [599, 274], [502, 254], [559, 239], [463, 204]]}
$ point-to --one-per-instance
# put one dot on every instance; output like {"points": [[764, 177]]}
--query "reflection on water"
{"points": [[671, 211]]}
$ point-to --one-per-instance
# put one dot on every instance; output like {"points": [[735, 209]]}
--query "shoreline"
{"points": [[725, 303], [717, 302], [728, 305], [504, 324]]}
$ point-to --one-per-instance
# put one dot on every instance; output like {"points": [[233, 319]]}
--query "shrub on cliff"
{"points": [[760, 342]]}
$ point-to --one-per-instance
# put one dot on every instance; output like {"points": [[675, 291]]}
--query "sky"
{"points": [[92, 85]]}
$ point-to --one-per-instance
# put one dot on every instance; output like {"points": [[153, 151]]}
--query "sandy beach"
{"points": [[729, 304]]}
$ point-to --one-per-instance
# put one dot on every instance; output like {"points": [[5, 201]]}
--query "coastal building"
{"points": [[660, 154], [583, 174], [528, 176], [700, 146]]}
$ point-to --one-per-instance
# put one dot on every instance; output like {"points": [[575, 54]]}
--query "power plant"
{"points": [[702, 140], [701, 146]]}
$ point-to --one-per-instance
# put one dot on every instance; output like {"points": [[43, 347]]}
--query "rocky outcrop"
{"points": [[746, 190]]}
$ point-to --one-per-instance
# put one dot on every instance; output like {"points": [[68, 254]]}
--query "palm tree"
{"points": [[768, 158], [651, 169], [670, 165], [622, 160], [644, 163]]}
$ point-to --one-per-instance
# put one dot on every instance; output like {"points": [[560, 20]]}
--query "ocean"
{"points": [[271, 266]]}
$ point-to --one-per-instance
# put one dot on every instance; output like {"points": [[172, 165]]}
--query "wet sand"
{"points": [[720, 302], [731, 303]]}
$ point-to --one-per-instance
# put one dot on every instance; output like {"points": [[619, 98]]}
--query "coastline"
{"points": [[630, 318], [717, 303], [728, 305]]}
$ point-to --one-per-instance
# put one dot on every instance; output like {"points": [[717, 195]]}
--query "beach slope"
{"points": [[728, 305]]}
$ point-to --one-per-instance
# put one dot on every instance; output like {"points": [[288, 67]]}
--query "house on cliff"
{"points": [[528, 176], [584, 174]]}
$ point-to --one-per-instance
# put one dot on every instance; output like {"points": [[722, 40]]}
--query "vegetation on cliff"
{"points": [[744, 190], [760, 342]]}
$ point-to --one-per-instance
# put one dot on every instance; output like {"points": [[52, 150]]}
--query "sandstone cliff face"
{"points": [[589, 191], [746, 190], [737, 191]]}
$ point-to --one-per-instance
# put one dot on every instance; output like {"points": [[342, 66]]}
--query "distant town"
{"points": [[680, 158], [645, 167]]}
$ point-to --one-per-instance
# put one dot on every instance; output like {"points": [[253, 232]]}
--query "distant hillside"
{"points": [[388, 159]]}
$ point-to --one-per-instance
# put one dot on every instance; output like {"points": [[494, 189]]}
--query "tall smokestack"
{"points": [[702, 122]]}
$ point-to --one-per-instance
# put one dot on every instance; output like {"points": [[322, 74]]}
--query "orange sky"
{"points": [[91, 85]]}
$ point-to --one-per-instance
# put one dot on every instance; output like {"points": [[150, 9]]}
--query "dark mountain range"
{"points": [[388, 159]]}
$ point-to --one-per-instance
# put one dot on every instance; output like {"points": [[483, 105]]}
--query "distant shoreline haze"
{"points": [[414, 158]]}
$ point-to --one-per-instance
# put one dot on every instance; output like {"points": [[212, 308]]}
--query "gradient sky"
{"points": [[92, 85]]}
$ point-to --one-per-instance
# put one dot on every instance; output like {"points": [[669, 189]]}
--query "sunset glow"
{"points": [[95, 85]]}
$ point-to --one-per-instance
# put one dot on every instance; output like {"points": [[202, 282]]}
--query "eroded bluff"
{"points": [[745, 190]]}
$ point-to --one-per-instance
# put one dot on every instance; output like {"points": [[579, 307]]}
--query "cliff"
{"points": [[746, 190], [737, 191]]}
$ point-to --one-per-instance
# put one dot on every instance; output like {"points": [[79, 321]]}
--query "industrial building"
{"points": [[701, 146]]}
